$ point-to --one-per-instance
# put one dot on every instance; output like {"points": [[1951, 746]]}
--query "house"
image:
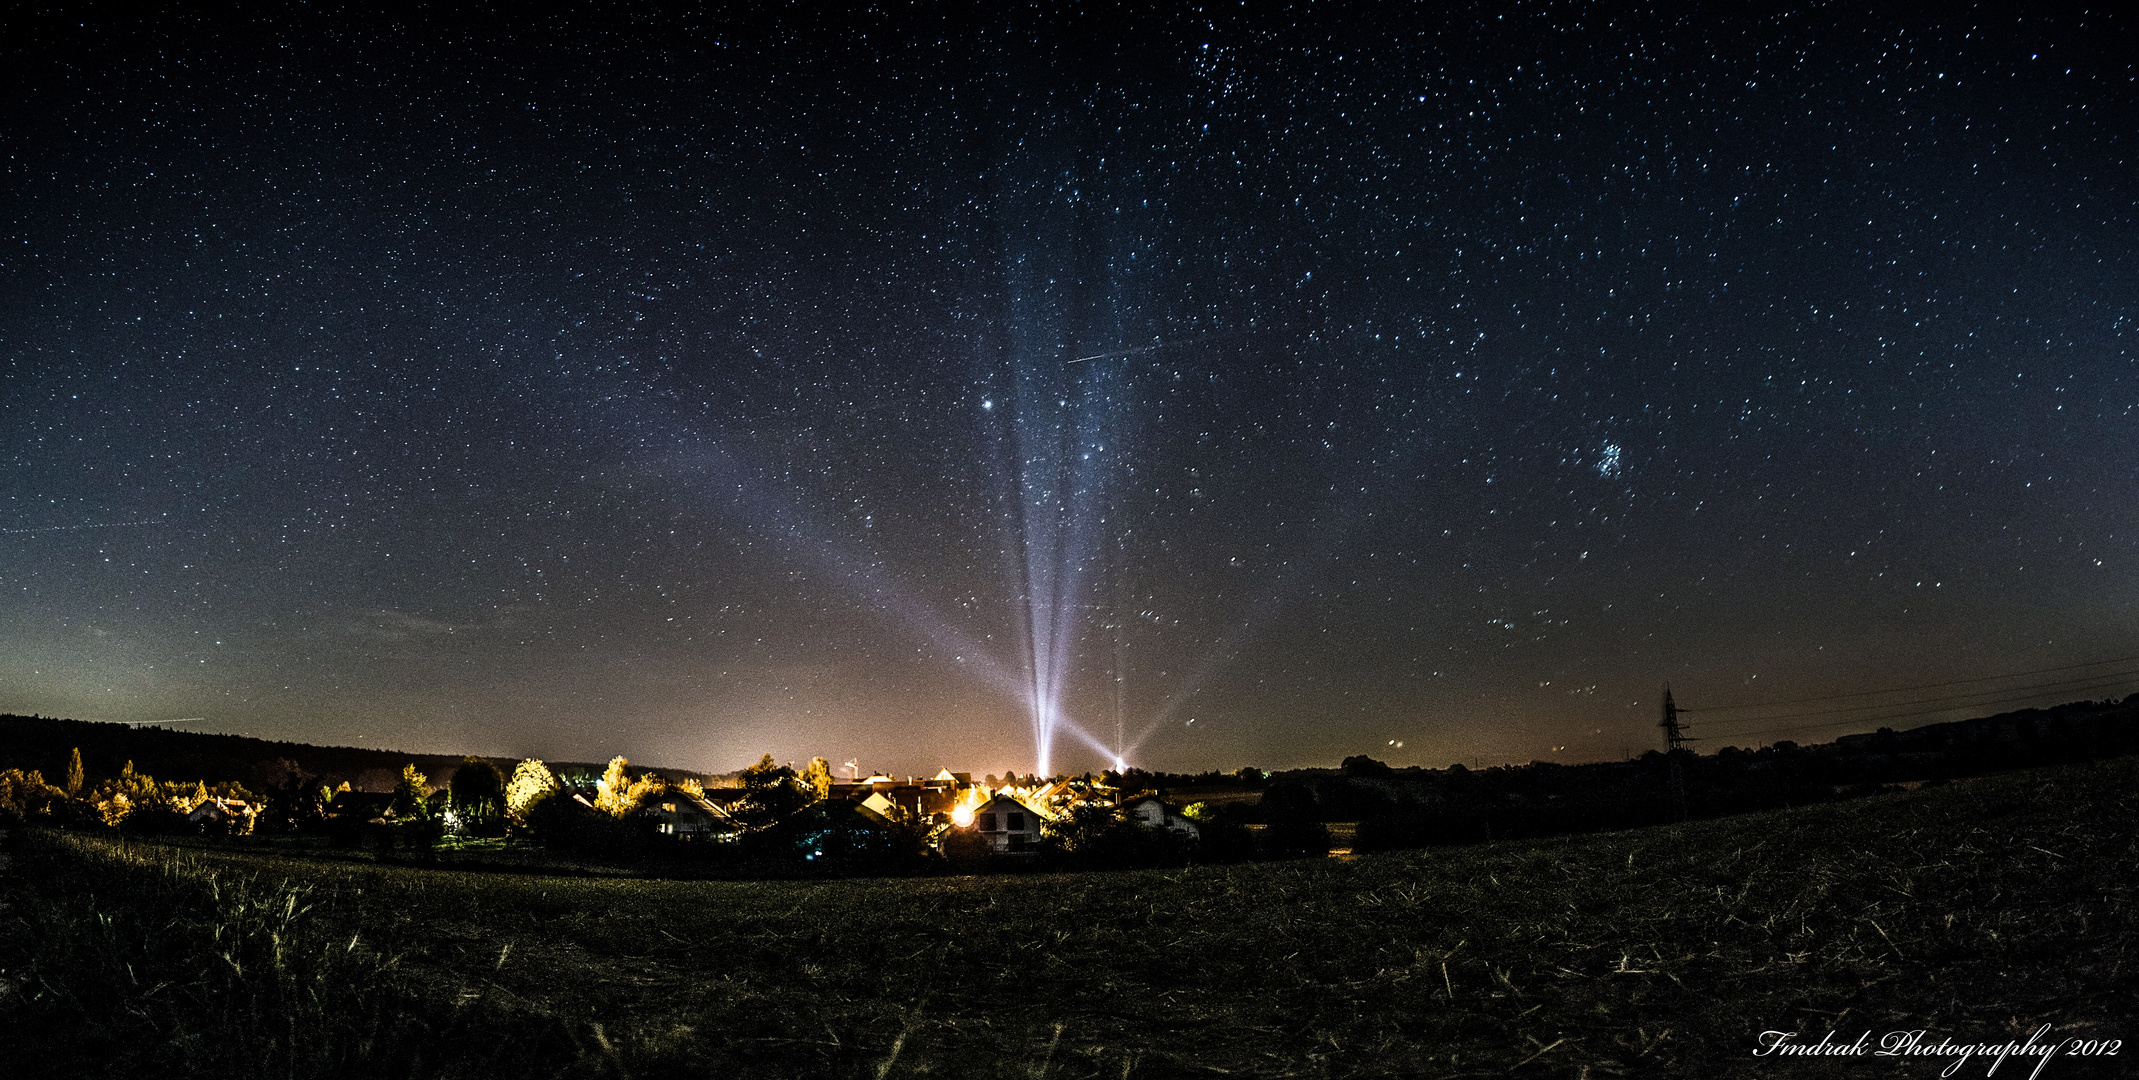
{"points": [[911, 803], [1153, 813], [1059, 797], [222, 817], [361, 805], [955, 781], [686, 816], [859, 789], [840, 832], [1010, 826], [726, 798]]}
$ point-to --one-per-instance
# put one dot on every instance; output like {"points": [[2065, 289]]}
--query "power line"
{"points": [[1906, 689]]}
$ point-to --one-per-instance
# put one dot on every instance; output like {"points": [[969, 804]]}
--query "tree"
{"points": [[1081, 829], [611, 790], [770, 792], [818, 777], [73, 786], [25, 795], [617, 795], [1096, 836], [531, 783], [568, 824], [1362, 765], [966, 849], [298, 803], [478, 796], [644, 788], [113, 800], [411, 796]]}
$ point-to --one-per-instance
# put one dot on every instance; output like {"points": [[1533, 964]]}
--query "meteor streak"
{"points": [[79, 528], [1120, 352], [1155, 345]]}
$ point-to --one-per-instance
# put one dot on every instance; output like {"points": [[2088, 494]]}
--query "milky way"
{"points": [[987, 390]]}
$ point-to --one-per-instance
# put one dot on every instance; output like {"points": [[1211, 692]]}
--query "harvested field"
{"points": [[1978, 910]]}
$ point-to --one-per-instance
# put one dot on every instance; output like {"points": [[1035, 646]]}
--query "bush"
{"points": [[1296, 840], [24, 796], [157, 821], [1093, 837], [967, 851], [1224, 840], [562, 823]]}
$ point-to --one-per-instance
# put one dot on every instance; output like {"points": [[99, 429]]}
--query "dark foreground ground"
{"points": [[1977, 911]]}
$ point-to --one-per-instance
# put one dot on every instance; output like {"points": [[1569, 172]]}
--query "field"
{"points": [[1977, 910]]}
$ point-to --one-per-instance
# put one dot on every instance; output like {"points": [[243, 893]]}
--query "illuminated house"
{"points": [[1152, 813], [859, 790], [1010, 826], [221, 816], [687, 816], [910, 802]]}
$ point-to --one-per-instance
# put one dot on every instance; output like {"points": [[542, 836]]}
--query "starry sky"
{"points": [[993, 386]]}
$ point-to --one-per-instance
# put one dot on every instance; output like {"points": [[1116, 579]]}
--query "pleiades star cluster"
{"points": [[1046, 386]]}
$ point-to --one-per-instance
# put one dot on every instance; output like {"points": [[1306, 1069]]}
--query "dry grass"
{"points": [[1978, 910]]}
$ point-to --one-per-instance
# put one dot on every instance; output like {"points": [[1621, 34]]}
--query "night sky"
{"points": [[917, 388]]}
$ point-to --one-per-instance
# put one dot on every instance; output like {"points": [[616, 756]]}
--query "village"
{"points": [[773, 820], [768, 813], [949, 809]]}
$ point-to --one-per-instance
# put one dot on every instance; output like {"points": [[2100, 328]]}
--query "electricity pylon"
{"points": [[1675, 740]]}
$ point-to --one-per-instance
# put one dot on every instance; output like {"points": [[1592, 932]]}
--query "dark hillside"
{"points": [[1414, 807], [43, 743]]}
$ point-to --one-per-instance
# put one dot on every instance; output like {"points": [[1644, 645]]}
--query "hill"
{"points": [[1413, 807], [44, 743]]}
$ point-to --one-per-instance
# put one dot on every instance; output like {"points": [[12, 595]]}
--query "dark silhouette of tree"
{"points": [[296, 803], [771, 791], [1362, 765], [567, 824], [478, 797], [966, 849], [1096, 837]]}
